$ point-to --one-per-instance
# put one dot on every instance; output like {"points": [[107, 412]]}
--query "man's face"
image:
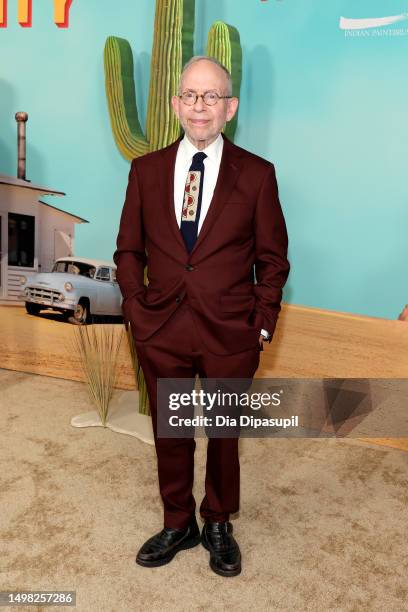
{"points": [[203, 123]]}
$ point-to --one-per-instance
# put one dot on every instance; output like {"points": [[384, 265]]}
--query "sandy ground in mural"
{"points": [[44, 345], [308, 343]]}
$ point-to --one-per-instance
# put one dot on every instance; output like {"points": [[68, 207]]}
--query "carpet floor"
{"points": [[322, 524]]}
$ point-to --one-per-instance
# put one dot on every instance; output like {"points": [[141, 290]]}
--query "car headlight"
{"points": [[68, 287], [23, 280]]}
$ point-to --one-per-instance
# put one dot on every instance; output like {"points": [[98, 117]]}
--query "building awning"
{"points": [[79, 219], [16, 182]]}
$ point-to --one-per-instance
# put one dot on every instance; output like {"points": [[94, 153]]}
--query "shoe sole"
{"points": [[217, 570], [190, 543]]}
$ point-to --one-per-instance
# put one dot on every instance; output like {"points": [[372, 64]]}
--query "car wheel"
{"points": [[32, 309], [81, 313]]}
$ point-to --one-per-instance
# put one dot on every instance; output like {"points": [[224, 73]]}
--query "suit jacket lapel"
{"points": [[227, 176], [166, 177]]}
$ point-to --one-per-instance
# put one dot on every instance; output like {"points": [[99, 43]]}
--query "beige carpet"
{"points": [[322, 523]]}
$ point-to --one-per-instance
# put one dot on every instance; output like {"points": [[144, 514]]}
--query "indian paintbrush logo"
{"points": [[374, 26]]}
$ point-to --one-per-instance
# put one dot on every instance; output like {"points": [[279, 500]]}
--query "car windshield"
{"points": [[74, 267]]}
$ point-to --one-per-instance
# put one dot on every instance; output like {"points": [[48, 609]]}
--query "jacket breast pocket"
{"points": [[237, 303]]}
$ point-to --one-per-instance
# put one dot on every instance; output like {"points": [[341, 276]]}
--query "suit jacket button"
{"points": [[178, 298], [189, 267]]}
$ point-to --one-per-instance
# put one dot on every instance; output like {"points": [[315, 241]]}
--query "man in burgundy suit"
{"points": [[204, 215]]}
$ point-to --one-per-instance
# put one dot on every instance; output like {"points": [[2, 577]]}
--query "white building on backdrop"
{"points": [[32, 233]]}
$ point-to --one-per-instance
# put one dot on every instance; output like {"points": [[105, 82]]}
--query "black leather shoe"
{"points": [[162, 547], [225, 556]]}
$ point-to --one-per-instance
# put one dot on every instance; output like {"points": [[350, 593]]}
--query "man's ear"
{"points": [[175, 101], [232, 107]]}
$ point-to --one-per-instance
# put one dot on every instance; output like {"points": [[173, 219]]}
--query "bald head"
{"points": [[214, 62]]}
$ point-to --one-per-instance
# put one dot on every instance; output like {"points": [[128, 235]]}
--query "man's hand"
{"points": [[261, 339]]}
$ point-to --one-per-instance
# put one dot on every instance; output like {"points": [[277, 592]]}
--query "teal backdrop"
{"points": [[329, 109]]}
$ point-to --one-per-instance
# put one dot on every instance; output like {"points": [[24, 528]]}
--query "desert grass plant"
{"points": [[97, 347], [144, 407]]}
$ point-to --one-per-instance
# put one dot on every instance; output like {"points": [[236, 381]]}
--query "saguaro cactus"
{"points": [[172, 47]]}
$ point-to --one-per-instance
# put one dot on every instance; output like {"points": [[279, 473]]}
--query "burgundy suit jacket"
{"points": [[244, 228]]}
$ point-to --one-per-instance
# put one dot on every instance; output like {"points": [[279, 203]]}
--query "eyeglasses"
{"points": [[210, 97]]}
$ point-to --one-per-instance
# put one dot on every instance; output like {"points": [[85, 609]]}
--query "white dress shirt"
{"points": [[212, 162], [184, 157]]}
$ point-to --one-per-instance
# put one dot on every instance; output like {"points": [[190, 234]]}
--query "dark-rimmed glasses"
{"points": [[209, 97]]}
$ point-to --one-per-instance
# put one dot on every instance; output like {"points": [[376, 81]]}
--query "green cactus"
{"points": [[172, 47]]}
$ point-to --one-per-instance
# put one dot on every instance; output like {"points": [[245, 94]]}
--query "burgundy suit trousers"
{"points": [[176, 351]]}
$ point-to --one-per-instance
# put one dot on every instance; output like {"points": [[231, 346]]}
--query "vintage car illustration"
{"points": [[77, 287]]}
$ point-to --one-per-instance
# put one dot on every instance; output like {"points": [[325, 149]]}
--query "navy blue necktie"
{"points": [[193, 193]]}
